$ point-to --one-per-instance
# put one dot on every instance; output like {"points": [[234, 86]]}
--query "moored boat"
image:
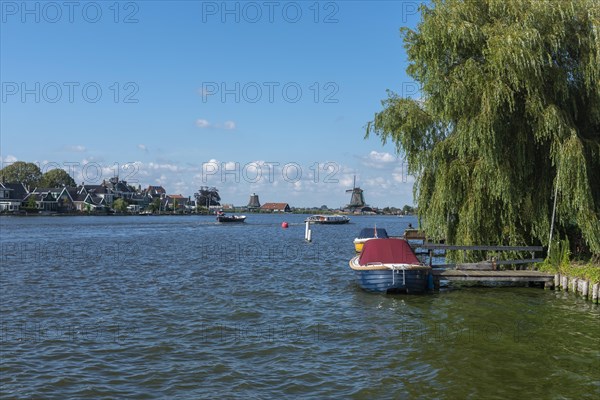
{"points": [[368, 234], [327, 219], [389, 265]]}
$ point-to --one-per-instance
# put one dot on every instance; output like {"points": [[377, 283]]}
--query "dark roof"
{"points": [[156, 189], [90, 198], [17, 190], [73, 193], [95, 188], [387, 251], [48, 190], [119, 187], [366, 233], [40, 196]]}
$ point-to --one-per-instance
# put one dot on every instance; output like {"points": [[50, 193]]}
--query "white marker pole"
{"points": [[307, 232]]}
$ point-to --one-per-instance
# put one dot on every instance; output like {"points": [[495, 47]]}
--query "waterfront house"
{"points": [[11, 196], [275, 207], [155, 191], [134, 208], [51, 199], [41, 201], [119, 189], [98, 190], [140, 200], [89, 202], [176, 202]]}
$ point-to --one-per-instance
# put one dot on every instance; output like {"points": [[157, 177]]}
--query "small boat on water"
{"points": [[368, 234], [390, 265], [327, 219], [221, 217]]}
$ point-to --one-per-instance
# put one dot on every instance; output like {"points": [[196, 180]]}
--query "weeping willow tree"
{"points": [[509, 113]]}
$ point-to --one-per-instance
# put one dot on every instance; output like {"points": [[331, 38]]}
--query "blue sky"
{"points": [[245, 96]]}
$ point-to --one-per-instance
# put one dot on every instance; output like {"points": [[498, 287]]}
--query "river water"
{"points": [[182, 307]]}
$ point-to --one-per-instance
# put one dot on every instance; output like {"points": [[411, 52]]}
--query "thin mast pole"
{"points": [[553, 211]]}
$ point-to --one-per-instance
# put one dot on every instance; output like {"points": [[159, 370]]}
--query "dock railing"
{"points": [[492, 262]]}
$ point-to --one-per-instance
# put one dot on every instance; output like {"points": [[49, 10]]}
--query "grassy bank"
{"points": [[558, 261]]}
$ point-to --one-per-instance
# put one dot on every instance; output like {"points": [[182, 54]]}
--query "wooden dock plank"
{"points": [[433, 246], [492, 276]]}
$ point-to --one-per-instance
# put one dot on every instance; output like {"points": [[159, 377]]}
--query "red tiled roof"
{"points": [[274, 206]]}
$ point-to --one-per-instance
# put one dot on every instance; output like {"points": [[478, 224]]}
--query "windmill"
{"points": [[254, 203], [357, 200]]}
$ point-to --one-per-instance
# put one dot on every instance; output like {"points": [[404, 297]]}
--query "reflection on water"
{"points": [[163, 307]]}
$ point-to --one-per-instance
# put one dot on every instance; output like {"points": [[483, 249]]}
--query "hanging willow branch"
{"points": [[510, 97]]}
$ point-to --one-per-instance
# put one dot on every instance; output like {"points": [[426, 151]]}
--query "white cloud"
{"points": [[142, 147], [162, 180], [76, 149], [9, 159], [205, 124], [229, 125], [381, 157], [202, 123], [164, 167]]}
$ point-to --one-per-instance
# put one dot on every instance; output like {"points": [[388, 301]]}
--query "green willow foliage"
{"points": [[510, 107]]}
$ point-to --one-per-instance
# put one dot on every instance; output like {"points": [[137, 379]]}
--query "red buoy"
{"points": [[284, 225]]}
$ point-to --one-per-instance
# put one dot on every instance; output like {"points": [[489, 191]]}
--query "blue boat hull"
{"points": [[382, 281]]}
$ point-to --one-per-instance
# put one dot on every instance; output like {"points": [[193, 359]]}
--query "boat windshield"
{"points": [[367, 233]]}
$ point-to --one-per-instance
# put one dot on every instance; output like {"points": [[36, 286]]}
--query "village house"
{"points": [[98, 190], [119, 189], [88, 198], [275, 207], [50, 199], [155, 192], [175, 202], [89, 202], [11, 196]]}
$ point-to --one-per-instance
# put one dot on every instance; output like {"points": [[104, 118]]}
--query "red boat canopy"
{"points": [[387, 251]]}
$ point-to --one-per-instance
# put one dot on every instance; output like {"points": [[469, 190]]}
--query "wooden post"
{"points": [[436, 283], [557, 281], [565, 283], [575, 281], [595, 290], [585, 288]]}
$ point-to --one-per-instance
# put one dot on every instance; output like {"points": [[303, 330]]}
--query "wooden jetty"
{"points": [[494, 270], [491, 276], [487, 271]]}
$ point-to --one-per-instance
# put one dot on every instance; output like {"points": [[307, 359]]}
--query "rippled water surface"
{"points": [[182, 307]]}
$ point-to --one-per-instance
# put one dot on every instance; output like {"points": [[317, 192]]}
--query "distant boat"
{"points": [[368, 234], [327, 219], [221, 217], [389, 265]]}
